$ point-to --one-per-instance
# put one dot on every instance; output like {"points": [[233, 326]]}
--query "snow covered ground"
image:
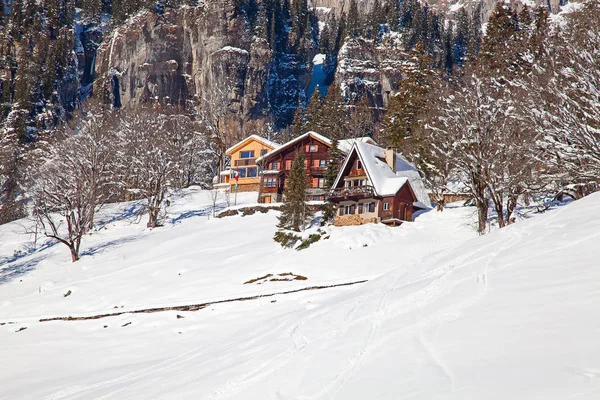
{"points": [[445, 314]]}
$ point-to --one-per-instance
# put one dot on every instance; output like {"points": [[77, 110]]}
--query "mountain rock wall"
{"points": [[186, 57]]}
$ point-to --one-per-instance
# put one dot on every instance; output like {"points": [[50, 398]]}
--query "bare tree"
{"points": [[195, 152], [564, 95], [479, 132], [148, 157], [214, 113], [214, 198], [70, 184]]}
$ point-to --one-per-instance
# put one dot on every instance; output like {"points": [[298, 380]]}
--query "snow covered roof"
{"points": [[344, 145], [260, 139], [385, 181]]}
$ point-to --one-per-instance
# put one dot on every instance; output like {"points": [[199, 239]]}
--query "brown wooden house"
{"points": [[377, 185], [276, 165]]}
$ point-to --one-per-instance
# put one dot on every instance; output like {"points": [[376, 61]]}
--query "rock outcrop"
{"points": [[184, 56]]}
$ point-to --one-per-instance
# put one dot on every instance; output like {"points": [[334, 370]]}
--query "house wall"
{"points": [[365, 215], [401, 205], [247, 184], [284, 159]]}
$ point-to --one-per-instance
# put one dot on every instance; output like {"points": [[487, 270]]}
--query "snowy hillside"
{"points": [[445, 314]]}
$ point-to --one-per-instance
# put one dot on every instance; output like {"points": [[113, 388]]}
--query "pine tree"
{"points": [[475, 33], [333, 163], [333, 166], [295, 211], [335, 118], [354, 23], [461, 37], [313, 115], [405, 115], [298, 126]]}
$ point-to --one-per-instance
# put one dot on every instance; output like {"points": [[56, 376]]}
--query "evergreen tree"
{"points": [[475, 33], [335, 117], [313, 113], [461, 37], [405, 115], [295, 211], [354, 23], [299, 122], [334, 156]]}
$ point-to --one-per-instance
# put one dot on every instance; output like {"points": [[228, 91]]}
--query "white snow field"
{"points": [[445, 314]]}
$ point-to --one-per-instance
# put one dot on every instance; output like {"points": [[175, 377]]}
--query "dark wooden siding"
{"points": [[401, 205], [286, 156]]}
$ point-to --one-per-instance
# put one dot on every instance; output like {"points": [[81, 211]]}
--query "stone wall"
{"points": [[352, 220]]}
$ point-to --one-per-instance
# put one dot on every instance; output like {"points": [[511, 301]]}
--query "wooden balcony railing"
{"points": [[317, 170], [244, 162], [353, 192]]}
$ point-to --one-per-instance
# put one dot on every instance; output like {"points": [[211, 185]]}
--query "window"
{"points": [[350, 209], [322, 163], [288, 165], [360, 208], [252, 172], [386, 206], [371, 207], [313, 148], [318, 182], [263, 152], [318, 198], [270, 182], [247, 154], [358, 164], [348, 184], [275, 165], [341, 211], [242, 172]]}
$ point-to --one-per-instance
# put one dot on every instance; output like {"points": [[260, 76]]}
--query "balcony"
{"points": [[245, 162], [351, 193], [317, 170]]}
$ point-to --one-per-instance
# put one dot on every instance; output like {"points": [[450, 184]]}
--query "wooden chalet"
{"points": [[277, 164], [377, 185], [243, 156]]}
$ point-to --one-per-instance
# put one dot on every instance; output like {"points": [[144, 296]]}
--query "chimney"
{"points": [[390, 158]]}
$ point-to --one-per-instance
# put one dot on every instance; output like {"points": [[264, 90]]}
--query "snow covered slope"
{"points": [[513, 315]]}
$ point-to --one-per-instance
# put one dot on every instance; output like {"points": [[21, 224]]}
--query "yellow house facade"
{"points": [[243, 157]]}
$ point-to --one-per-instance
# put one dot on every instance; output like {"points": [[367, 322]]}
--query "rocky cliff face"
{"points": [[371, 69], [185, 56], [208, 56], [365, 6]]}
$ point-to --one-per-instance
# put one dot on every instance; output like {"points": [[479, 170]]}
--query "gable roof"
{"points": [[344, 145], [257, 138], [385, 181], [284, 146]]}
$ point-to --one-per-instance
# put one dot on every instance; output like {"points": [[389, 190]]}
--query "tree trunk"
{"points": [[500, 211], [440, 203], [74, 253], [152, 218], [482, 216]]}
